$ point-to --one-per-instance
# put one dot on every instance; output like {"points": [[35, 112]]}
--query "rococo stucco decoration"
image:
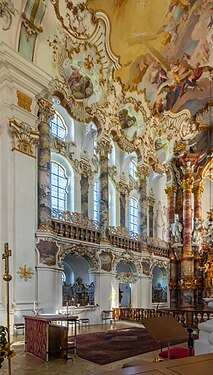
{"points": [[24, 137], [86, 251]]}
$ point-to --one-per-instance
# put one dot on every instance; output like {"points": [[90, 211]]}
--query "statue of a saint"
{"points": [[198, 226], [176, 229]]}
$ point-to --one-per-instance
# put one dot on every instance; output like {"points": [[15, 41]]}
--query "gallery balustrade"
{"points": [[187, 318], [73, 225]]}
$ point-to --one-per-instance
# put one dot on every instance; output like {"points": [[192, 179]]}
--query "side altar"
{"points": [[46, 335]]}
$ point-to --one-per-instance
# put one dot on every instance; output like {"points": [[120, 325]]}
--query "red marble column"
{"points": [[187, 282], [198, 190]]}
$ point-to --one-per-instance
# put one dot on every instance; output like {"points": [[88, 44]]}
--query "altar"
{"points": [[46, 335]]}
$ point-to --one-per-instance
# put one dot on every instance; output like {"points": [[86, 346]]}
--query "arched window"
{"points": [[58, 187], [96, 199], [58, 127], [133, 169], [133, 215]]}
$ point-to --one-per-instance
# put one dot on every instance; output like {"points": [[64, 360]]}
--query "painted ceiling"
{"points": [[165, 48], [143, 69]]}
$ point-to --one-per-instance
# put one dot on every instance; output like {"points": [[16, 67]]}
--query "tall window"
{"points": [[133, 215], [58, 187], [133, 169], [96, 199], [58, 127]]}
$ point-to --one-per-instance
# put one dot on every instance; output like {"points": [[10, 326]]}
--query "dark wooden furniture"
{"points": [[45, 336]]}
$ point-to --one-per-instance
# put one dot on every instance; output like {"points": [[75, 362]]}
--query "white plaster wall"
{"points": [[144, 290], [49, 289]]}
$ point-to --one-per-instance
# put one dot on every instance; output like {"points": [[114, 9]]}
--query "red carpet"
{"points": [[111, 346]]}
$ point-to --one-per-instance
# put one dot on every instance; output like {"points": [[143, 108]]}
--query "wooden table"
{"points": [[196, 365], [44, 337]]}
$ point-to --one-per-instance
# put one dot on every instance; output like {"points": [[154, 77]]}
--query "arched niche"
{"points": [[125, 272], [78, 287]]}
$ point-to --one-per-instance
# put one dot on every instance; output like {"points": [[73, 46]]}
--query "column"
{"points": [[187, 259], [85, 173], [84, 196], [170, 192], [142, 205], [151, 202], [123, 190], [103, 149], [44, 159], [199, 286]]}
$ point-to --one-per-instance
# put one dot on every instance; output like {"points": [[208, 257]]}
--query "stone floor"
{"points": [[26, 364]]}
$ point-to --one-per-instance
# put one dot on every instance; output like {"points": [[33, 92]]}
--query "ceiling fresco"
{"points": [[142, 70], [165, 49]]}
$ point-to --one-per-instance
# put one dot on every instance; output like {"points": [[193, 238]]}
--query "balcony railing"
{"points": [[75, 226]]}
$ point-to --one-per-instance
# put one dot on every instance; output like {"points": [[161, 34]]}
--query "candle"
{"points": [[34, 306]]}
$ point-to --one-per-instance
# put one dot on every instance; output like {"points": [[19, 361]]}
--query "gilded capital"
{"points": [[198, 189], [104, 147], [143, 171], [45, 112], [170, 190], [187, 183]]}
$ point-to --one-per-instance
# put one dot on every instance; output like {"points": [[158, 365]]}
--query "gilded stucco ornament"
{"points": [[127, 277], [88, 252], [160, 264], [24, 137]]}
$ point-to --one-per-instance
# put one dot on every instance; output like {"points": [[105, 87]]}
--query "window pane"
{"points": [[57, 127], [133, 215], [58, 187]]}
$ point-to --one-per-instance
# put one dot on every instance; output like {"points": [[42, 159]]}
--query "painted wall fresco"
{"points": [[170, 58]]}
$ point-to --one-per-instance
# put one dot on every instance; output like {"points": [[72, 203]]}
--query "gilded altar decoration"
{"points": [[24, 138], [24, 101], [25, 272]]}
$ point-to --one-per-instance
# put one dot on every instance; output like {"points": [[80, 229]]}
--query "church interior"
{"points": [[106, 148]]}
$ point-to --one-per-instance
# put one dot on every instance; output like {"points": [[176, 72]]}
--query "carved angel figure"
{"points": [[176, 229]]}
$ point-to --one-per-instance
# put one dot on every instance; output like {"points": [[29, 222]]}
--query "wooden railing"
{"points": [[75, 226], [123, 242], [76, 232], [187, 318], [133, 314]]}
